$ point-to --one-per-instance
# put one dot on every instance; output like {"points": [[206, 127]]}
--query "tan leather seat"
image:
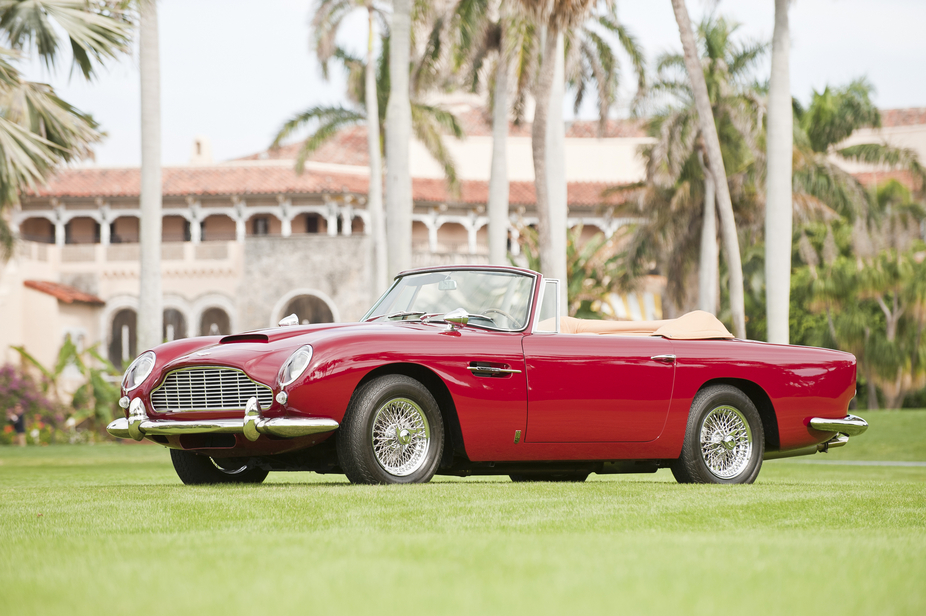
{"points": [[696, 325]]}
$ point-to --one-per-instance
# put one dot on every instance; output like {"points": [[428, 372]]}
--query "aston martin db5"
{"points": [[471, 370]]}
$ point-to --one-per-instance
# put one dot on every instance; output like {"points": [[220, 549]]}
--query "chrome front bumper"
{"points": [[137, 426]]}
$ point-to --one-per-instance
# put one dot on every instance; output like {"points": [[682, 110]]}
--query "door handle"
{"points": [[492, 370], [667, 359]]}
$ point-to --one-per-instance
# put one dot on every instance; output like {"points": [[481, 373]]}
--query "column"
{"points": [[331, 219], [286, 216], [106, 219], [60, 233], [347, 220], [241, 221], [471, 233], [195, 218]]}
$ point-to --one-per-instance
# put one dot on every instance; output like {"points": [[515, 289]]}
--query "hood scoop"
{"points": [[244, 338]]}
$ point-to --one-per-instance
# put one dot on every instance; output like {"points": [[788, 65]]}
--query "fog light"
{"points": [[124, 402], [282, 398]]}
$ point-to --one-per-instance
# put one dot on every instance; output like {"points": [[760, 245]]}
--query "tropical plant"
{"points": [[94, 400], [326, 23], [476, 32], [677, 199], [714, 157], [593, 265], [38, 130]]}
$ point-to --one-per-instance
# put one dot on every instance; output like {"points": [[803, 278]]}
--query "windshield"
{"points": [[491, 299]]}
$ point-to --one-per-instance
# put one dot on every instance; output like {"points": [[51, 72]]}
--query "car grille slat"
{"points": [[209, 388]]}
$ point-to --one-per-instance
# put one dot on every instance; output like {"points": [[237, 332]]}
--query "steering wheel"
{"points": [[510, 318]]}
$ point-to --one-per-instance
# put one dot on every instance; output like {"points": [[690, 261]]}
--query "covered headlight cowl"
{"points": [[295, 365], [138, 370]]}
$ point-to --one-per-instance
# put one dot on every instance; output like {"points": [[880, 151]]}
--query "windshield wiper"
{"points": [[397, 315]]}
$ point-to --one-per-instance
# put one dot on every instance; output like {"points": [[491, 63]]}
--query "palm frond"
{"points": [[329, 119], [429, 124], [96, 30], [883, 154]]}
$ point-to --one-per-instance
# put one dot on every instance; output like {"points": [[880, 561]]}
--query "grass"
{"points": [[109, 529]]}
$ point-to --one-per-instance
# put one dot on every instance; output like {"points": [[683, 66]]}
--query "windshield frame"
{"points": [[532, 296]]}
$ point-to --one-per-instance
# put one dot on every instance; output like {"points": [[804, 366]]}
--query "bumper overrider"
{"points": [[138, 425]]}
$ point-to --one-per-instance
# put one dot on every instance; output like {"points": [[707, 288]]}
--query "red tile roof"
{"points": [[63, 292], [272, 180], [912, 116]]}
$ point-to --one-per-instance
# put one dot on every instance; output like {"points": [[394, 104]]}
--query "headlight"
{"points": [[138, 370], [296, 365]]}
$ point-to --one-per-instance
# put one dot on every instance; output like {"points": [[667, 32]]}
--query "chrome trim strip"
{"points": [[492, 370], [850, 425], [252, 425]]}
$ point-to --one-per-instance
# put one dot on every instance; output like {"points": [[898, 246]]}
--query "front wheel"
{"points": [[197, 469], [392, 433], [724, 440]]}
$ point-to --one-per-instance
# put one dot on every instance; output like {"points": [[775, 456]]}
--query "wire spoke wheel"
{"points": [[726, 442], [401, 437]]}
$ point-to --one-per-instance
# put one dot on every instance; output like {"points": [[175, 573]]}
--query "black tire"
{"points": [[735, 445], [392, 402], [197, 469], [574, 477]]}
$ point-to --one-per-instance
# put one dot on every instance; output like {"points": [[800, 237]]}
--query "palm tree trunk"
{"points": [[150, 316], [710, 274], [375, 192], [399, 121], [778, 207], [498, 178], [539, 131], [555, 261], [715, 162]]}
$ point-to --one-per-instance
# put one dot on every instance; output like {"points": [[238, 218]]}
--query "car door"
{"points": [[597, 388]]}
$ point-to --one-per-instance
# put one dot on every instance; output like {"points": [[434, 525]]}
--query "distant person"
{"points": [[17, 417]]}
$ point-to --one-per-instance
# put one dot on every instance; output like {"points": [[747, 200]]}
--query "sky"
{"points": [[235, 74]]}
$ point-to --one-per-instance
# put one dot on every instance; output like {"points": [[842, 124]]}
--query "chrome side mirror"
{"points": [[458, 318], [288, 321]]}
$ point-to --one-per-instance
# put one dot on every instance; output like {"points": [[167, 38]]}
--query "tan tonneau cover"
{"points": [[697, 325]]}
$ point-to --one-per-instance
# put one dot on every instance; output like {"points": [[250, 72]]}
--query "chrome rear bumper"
{"points": [[137, 426], [850, 425]]}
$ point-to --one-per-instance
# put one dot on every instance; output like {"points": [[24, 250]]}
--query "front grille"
{"points": [[208, 388]]}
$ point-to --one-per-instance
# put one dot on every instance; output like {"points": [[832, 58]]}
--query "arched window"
{"points": [[174, 325], [122, 348], [309, 309], [214, 322]]}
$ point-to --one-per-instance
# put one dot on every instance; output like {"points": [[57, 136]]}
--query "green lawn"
{"points": [[110, 529]]}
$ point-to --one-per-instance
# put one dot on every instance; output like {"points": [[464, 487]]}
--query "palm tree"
{"points": [[679, 192], [150, 314], [399, 119], [38, 130], [778, 207], [429, 122], [715, 161], [326, 22]]}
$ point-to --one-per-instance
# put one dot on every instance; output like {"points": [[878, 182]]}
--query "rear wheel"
{"points": [[392, 433], [575, 477], [724, 440], [197, 469]]}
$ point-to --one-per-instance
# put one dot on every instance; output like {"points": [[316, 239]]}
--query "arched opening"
{"points": [[214, 322], [452, 238], [82, 230], [309, 222], [174, 325], [420, 237], [124, 230], [309, 309], [175, 229], [37, 230], [218, 227], [356, 226], [122, 339]]}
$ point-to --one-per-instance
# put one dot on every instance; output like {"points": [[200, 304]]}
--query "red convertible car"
{"points": [[470, 371]]}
